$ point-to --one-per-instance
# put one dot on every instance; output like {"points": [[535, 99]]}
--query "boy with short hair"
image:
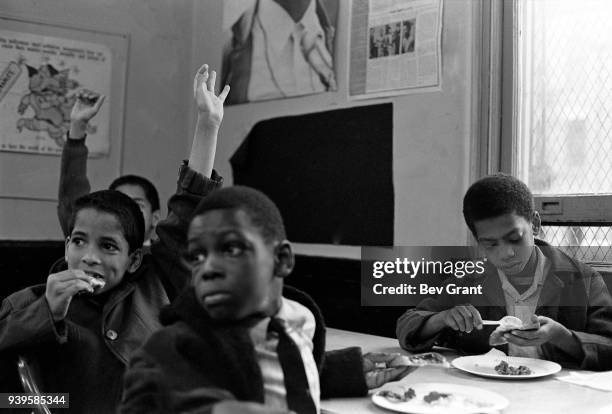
{"points": [[524, 277], [225, 346], [102, 302], [73, 181]]}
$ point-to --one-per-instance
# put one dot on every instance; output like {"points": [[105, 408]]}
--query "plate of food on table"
{"points": [[494, 365], [438, 398]]}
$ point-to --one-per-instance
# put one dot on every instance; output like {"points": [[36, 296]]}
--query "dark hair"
{"points": [[262, 211], [496, 195], [119, 205], [146, 185]]}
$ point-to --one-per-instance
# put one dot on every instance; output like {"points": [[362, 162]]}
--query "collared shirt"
{"points": [[299, 322], [523, 305], [279, 67]]}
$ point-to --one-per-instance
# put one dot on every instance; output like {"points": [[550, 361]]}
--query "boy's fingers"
{"points": [[99, 103], [459, 320], [525, 334], [201, 75], [476, 319], [380, 356], [224, 93], [78, 286], [211, 81], [202, 69]]}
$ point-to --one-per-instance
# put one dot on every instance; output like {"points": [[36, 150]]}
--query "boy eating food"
{"points": [[102, 302], [565, 303], [239, 341]]}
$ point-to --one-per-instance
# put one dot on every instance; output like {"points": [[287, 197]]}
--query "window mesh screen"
{"points": [[565, 96]]}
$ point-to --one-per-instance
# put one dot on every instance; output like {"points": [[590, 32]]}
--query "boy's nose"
{"points": [[509, 252], [211, 269], [90, 258]]}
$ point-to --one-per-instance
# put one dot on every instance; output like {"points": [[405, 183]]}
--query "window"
{"points": [[557, 117]]}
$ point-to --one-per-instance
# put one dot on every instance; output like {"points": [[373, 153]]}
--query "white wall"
{"points": [[432, 131], [157, 96]]}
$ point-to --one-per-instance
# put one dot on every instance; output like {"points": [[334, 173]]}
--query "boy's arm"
{"points": [[419, 328], [342, 374], [592, 347], [27, 321], [196, 180], [158, 380], [349, 373], [73, 182]]}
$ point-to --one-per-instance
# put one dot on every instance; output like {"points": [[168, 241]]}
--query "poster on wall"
{"points": [[396, 47], [40, 76], [278, 49]]}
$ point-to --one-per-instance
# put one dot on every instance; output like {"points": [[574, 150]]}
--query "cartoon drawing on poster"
{"points": [[39, 80]]}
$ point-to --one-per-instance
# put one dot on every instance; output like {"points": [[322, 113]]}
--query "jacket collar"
{"points": [[562, 272]]}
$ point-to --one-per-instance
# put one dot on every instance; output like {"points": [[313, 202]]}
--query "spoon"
{"points": [[506, 321]]}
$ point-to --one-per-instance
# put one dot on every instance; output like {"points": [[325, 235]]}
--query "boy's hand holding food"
{"points": [[62, 286], [380, 368], [548, 330]]}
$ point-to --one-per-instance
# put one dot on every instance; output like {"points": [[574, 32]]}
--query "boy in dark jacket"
{"points": [[566, 302], [224, 347], [81, 334]]}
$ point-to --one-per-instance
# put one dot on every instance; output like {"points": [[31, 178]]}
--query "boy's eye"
{"points": [[110, 247], [195, 258], [234, 249], [77, 241]]}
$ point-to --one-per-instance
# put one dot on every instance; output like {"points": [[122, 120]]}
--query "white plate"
{"points": [[462, 399], [484, 365]]}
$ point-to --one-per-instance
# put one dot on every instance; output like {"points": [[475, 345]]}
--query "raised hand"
{"points": [[210, 106], [61, 288], [85, 107]]}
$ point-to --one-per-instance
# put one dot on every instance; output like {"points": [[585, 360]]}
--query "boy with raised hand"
{"points": [[239, 340], [73, 173], [565, 302], [102, 301]]}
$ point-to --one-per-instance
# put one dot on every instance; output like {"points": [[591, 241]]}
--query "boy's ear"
{"points": [[536, 223], [135, 261], [156, 217], [284, 260]]}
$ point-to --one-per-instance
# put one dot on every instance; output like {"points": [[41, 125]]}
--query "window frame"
{"points": [[555, 209]]}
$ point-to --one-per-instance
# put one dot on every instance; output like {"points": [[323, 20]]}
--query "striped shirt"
{"points": [[300, 325], [523, 305]]}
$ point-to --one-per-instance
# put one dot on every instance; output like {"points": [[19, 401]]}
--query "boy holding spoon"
{"points": [[564, 305]]}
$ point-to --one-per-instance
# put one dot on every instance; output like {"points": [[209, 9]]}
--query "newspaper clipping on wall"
{"points": [[395, 47]]}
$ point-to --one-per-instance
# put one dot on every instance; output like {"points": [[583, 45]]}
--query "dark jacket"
{"points": [[238, 51], [86, 354], [573, 294], [195, 362]]}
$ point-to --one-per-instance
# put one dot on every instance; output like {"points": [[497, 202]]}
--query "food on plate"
{"points": [[427, 358], [504, 369], [435, 396], [395, 396]]}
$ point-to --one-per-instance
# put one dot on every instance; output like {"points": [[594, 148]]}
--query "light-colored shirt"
{"points": [[523, 305], [279, 67], [299, 323]]}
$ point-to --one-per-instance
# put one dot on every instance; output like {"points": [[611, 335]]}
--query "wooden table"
{"points": [[543, 395]]}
